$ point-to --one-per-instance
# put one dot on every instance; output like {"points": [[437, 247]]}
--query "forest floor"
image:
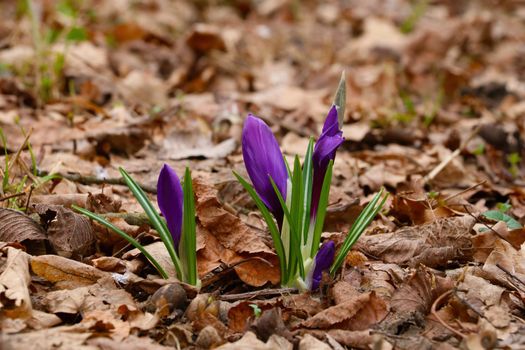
{"points": [[435, 113]]}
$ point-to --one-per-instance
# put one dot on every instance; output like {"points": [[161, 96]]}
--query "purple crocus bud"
{"points": [[322, 262], [170, 199], [263, 159], [324, 151]]}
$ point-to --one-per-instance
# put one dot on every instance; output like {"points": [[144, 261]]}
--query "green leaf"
{"points": [[188, 242], [363, 220], [155, 220], [497, 215], [77, 34], [124, 235], [308, 176], [272, 226], [296, 212], [321, 210]]}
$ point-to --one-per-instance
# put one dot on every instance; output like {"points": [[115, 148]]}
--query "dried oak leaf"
{"points": [[223, 237], [356, 313], [433, 245], [16, 226], [69, 233], [15, 301]]}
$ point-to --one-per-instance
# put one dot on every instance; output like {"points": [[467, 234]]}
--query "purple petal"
{"points": [[331, 124], [170, 199], [263, 158], [323, 261], [324, 151]]}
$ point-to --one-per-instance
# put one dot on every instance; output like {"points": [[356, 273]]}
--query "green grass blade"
{"points": [[288, 216], [188, 242], [155, 219], [321, 209], [363, 220], [308, 176], [272, 226], [296, 212], [124, 235]]}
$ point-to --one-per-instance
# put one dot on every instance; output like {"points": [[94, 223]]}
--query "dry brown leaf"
{"points": [[353, 339], [159, 252], [309, 342], [357, 313], [226, 238], [16, 226], [434, 244], [69, 233], [250, 341], [506, 265], [67, 272], [14, 285]]}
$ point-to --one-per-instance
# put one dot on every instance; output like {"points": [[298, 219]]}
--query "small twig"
{"points": [[489, 227], [117, 253], [257, 293], [31, 188], [512, 277], [440, 320], [431, 175], [11, 196], [135, 219], [464, 191]]}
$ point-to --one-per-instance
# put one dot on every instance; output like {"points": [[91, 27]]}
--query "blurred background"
{"points": [[99, 84]]}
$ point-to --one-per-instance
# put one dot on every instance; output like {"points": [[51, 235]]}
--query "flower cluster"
{"points": [[297, 197]]}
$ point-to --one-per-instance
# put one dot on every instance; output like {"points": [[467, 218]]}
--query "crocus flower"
{"points": [[322, 262], [324, 151], [170, 199], [263, 159]]}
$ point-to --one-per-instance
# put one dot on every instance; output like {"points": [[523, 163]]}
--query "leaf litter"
{"points": [[434, 112]]}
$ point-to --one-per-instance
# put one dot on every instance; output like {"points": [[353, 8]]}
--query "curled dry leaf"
{"points": [[16, 226], [433, 245], [15, 301], [352, 339], [69, 233], [356, 313]]}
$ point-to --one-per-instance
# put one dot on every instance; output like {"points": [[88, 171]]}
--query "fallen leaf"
{"points": [[434, 244], [15, 301], [356, 313], [250, 341], [16, 226], [67, 272], [69, 233]]}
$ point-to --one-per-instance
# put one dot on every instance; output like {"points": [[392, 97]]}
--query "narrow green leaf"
{"points": [[321, 210], [155, 219], [340, 99], [308, 176], [124, 235], [363, 220], [188, 242], [296, 212], [272, 226]]}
